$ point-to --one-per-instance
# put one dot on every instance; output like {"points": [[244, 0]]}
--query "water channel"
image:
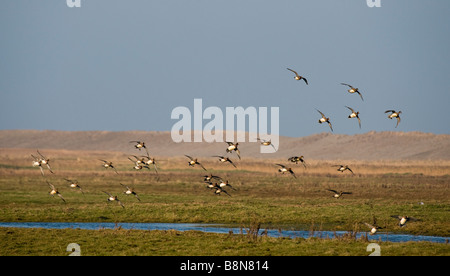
{"points": [[217, 228]]}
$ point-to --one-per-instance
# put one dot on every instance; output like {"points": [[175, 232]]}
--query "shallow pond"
{"points": [[217, 228]]}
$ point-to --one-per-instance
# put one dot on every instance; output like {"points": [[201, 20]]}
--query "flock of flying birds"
{"points": [[213, 182], [216, 183], [354, 114]]}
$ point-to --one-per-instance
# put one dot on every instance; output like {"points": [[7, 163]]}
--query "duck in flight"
{"points": [[224, 159], [114, 198], [355, 114], [218, 190], [138, 164], [74, 184], [41, 160], [285, 169], [266, 142], [402, 220], [194, 162], [297, 76], [149, 161], [343, 168], [296, 159], [55, 191], [373, 227], [223, 184], [139, 145], [338, 194], [394, 114], [130, 191], [324, 119], [353, 90], [108, 164], [233, 147]]}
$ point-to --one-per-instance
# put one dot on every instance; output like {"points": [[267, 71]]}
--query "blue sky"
{"points": [[122, 65]]}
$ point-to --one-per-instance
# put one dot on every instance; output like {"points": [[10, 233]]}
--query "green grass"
{"points": [[120, 242], [272, 200]]}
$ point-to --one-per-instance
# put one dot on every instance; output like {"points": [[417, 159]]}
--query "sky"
{"points": [[119, 65]]}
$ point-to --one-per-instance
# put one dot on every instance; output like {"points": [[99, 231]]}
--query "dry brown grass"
{"points": [[75, 160]]}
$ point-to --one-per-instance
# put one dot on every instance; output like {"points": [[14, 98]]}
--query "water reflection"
{"points": [[215, 228]]}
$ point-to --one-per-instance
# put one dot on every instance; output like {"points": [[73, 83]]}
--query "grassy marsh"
{"points": [[177, 194]]}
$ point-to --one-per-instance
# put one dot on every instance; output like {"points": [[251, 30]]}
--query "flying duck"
{"points": [[354, 115], [353, 90], [55, 191], [41, 160], [37, 163], [233, 147], [139, 145], [74, 184], [138, 164], [194, 162], [207, 178], [139, 161], [225, 159], [114, 198], [324, 119], [297, 76], [130, 191], [343, 168], [223, 184], [373, 227], [151, 161], [266, 142], [285, 169], [218, 190], [107, 164], [394, 114], [210, 185], [296, 159], [402, 220], [339, 194]]}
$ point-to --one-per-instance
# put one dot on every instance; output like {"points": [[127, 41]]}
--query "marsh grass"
{"points": [[263, 198], [120, 242]]}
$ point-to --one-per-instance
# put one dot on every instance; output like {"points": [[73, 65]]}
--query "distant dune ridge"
{"points": [[324, 146]]}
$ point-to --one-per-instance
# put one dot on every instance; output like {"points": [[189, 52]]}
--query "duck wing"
{"points": [[293, 71]]}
